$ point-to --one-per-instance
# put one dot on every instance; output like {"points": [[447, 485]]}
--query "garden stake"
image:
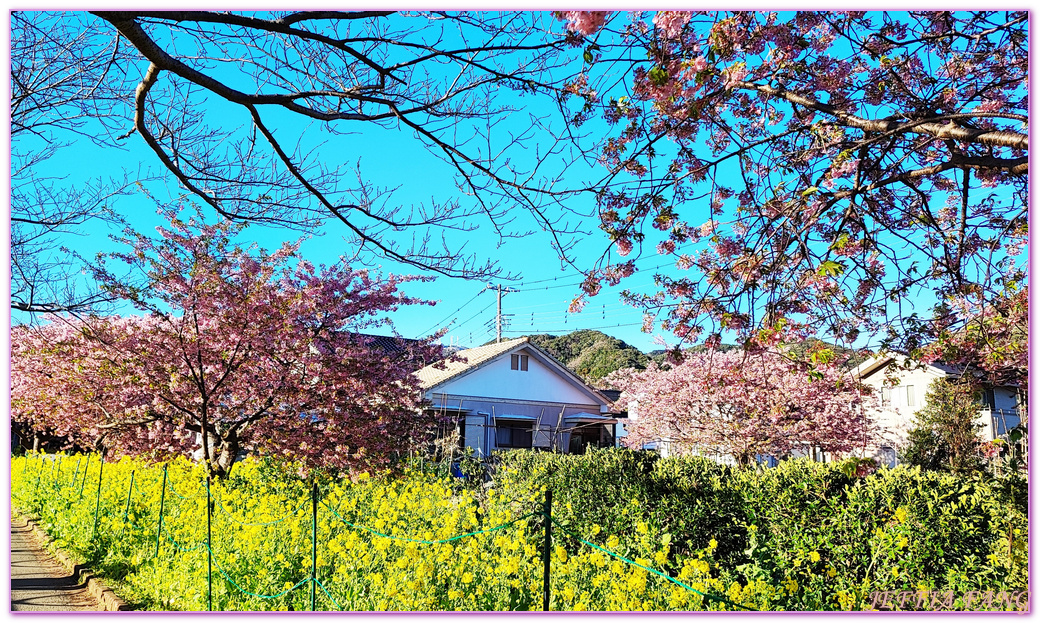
{"points": [[314, 541], [76, 473], [129, 492], [55, 479], [547, 549], [97, 509], [85, 470], [162, 504], [39, 474], [209, 546]]}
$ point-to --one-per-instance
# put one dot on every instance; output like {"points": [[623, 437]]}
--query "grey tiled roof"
{"points": [[472, 358]]}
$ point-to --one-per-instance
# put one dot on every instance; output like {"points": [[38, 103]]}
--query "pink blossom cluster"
{"points": [[583, 22], [670, 23]]}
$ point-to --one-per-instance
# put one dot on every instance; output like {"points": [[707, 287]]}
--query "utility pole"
{"points": [[498, 315]]}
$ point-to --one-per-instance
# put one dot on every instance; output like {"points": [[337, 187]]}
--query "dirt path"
{"points": [[38, 582]]}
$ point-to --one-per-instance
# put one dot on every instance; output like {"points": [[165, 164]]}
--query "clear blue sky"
{"points": [[396, 160]]}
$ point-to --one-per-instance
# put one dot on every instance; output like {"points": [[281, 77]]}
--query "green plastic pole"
{"points": [[209, 545], [75, 475], [547, 549], [129, 492], [56, 478], [314, 542], [86, 469], [39, 474], [162, 505], [97, 509]]}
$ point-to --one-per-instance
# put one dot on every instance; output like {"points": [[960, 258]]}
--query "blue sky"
{"points": [[393, 159]]}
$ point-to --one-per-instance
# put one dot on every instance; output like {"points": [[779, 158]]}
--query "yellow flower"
{"points": [[831, 572], [814, 556], [561, 553], [467, 577], [712, 544], [900, 514], [791, 585]]}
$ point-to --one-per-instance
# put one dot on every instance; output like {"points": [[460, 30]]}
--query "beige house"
{"points": [[901, 386]]}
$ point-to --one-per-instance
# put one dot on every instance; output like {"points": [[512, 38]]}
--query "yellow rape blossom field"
{"points": [[630, 533], [262, 544]]}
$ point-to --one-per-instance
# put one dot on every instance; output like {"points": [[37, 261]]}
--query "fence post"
{"points": [[129, 492], [209, 545], [162, 505], [97, 508], [86, 469], [546, 549], [56, 478], [76, 473], [314, 542], [39, 474]]}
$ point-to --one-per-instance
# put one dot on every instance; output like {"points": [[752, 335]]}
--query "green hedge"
{"points": [[815, 529]]}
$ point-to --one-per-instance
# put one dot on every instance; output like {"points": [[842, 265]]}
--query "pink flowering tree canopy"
{"points": [[745, 405], [238, 349], [831, 174]]}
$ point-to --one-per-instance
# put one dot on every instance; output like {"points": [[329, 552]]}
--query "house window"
{"points": [[988, 400], [886, 396], [511, 434], [584, 436], [518, 362], [910, 396], [887, 456]]}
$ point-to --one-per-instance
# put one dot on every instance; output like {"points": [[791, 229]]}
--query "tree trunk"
{"points": [[221, 453]]}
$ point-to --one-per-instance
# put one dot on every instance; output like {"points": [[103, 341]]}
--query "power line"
{"points": [[457, 310], [463, 323]]}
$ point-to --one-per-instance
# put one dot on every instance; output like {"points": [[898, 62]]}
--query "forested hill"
{"points": [[591, 354]]}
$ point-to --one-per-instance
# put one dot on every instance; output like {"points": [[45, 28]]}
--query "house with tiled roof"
{"points": [[514, 394]]}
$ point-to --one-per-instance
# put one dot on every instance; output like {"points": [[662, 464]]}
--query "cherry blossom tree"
{"points": [[239, 348], [843, 174], [744, 405], [994, 338]]}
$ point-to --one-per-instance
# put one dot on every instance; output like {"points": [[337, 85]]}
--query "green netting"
{"points": [[423, 541], [636, 564], [267, 523]]}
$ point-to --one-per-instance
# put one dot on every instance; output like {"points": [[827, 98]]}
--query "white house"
{"points": [[901, 388], [516, 395]]}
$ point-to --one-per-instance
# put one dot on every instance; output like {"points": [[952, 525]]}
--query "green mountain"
{"points": [[591, 354]]}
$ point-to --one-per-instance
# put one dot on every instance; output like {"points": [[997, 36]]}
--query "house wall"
{"points": [[483, 412], [896, 419]]}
